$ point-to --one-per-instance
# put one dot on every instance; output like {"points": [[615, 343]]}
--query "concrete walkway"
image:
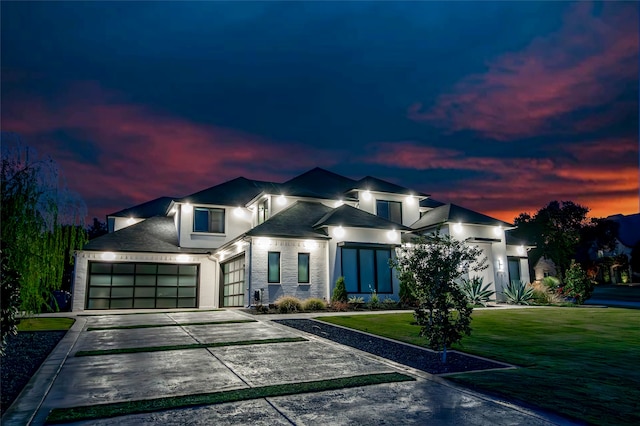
{"points": [[67, 381]]}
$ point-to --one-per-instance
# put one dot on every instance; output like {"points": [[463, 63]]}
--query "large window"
{"points": [[390, 210], [366, 269], [208, 220], [274, 267], [303, 267]]}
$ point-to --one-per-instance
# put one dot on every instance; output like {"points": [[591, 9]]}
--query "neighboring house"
{"points": [[247, 242]]}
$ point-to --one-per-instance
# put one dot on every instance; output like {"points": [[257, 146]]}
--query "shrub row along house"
{"points": [[247, 242]]}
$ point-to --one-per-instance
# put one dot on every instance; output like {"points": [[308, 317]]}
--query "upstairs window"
{"points": [[263, 211], [390, 210], [208, 220]]}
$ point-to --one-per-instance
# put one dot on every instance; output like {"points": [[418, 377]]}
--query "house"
{"points": [[247, 242]]}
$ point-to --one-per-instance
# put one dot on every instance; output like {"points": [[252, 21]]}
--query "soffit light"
{"points": [[366, 195], [392, 235], [282, 200], [457, 227], [108, 255], [310, 244], [339, 232], [410, 200], [131, 221], [338, 203], [521, 251], [238, 212], [182, 258], [497, 230], [263, 242], [187, 207]]}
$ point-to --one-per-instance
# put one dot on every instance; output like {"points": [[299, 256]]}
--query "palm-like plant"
{"points": [[518, 293], [475, 292]]}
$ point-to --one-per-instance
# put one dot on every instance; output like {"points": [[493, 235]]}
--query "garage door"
{"points": [[233, 282], [142, 286]]}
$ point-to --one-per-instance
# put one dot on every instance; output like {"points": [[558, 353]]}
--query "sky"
{"points": [[500, 107]]}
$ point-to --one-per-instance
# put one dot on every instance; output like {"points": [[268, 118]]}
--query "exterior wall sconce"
{"points": [[500, 265]]}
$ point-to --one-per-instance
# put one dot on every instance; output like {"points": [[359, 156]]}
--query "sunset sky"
{"points": [[499, 107]]}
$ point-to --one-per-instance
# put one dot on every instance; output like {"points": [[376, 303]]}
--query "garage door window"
{"points": [[142, 286]]}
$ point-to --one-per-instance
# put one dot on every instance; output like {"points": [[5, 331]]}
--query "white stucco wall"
{"points": [[208, 279], [288, 285], [237, 221]]}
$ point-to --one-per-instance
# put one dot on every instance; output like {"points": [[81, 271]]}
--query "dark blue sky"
{"points": [[500, 107]]}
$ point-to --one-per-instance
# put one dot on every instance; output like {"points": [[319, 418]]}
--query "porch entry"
{"points": [[233, 282]]}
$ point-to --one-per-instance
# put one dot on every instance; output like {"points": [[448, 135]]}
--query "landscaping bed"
{"points": [[421, 359], [25, 352]]}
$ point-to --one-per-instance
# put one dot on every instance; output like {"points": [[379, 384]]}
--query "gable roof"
{"points": [[374, 184], [157, 234], [296, 221], [318, 183], [454, 213], [345, 215], [157, 207], [236, 192]]}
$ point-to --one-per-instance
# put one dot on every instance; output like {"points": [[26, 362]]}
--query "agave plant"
{"points": [[475, 292], [518, 293]]}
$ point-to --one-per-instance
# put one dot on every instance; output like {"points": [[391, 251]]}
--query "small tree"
{"points": [[577, 284], [340, 291], [434, 263]]}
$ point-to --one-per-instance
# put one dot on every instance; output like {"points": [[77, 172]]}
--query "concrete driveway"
{"points": [[66, 380]]}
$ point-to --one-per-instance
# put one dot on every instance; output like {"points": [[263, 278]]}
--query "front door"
{"points": [[514, 269]]}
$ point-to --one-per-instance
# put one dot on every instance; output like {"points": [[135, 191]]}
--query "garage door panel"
{"points": [[141, 285], [232, 293]]}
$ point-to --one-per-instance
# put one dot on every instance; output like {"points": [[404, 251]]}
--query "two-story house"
{"points": [[245, 242]]}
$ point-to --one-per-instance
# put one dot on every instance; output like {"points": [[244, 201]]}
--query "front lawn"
{"points": [[579, 362], [45, 324]]}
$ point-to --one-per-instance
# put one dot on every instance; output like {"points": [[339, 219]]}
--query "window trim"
{"points": [[388, 205], [375, 266], [209, 209], [308, 256], [269, 267]]}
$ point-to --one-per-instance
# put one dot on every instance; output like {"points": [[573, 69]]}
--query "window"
{"points": [[274, 267], [303, 267], [208, 220], [366, 269], [390, 210], [263, 211]]}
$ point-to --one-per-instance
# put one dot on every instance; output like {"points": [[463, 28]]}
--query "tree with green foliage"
{"points": [[42, 223], [556, 230], [435, 263], [340, 291], [577, 284]]}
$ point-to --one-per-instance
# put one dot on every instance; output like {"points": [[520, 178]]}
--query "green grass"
{"points": [[92, 412], [188, 346], [578, 362], [185, 324], [45, 324]]}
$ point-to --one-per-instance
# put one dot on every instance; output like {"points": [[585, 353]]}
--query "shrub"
{"points": [[577, 284], [374, 300], [339, 291], [475, 293], [518, 293], [339, 306], [389, 303], [356, 302], [314, 304], [286, 304], [552, 283], [543, 295], [406, 293]]}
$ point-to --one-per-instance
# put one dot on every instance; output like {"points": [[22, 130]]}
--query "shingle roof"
{"points": [[346, 215], [157, 207], [235, 192], [156, 234], [430, 203], [318, 183], [297, 221], [374, 184], [455, 213]]}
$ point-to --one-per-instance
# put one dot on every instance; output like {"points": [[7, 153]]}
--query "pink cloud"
{"points": [[586, 63], [601, 175], [144, 154]]}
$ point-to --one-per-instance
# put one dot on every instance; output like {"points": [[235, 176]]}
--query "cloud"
{"points": [[602, 175], [140, 153], [589, 62]]}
